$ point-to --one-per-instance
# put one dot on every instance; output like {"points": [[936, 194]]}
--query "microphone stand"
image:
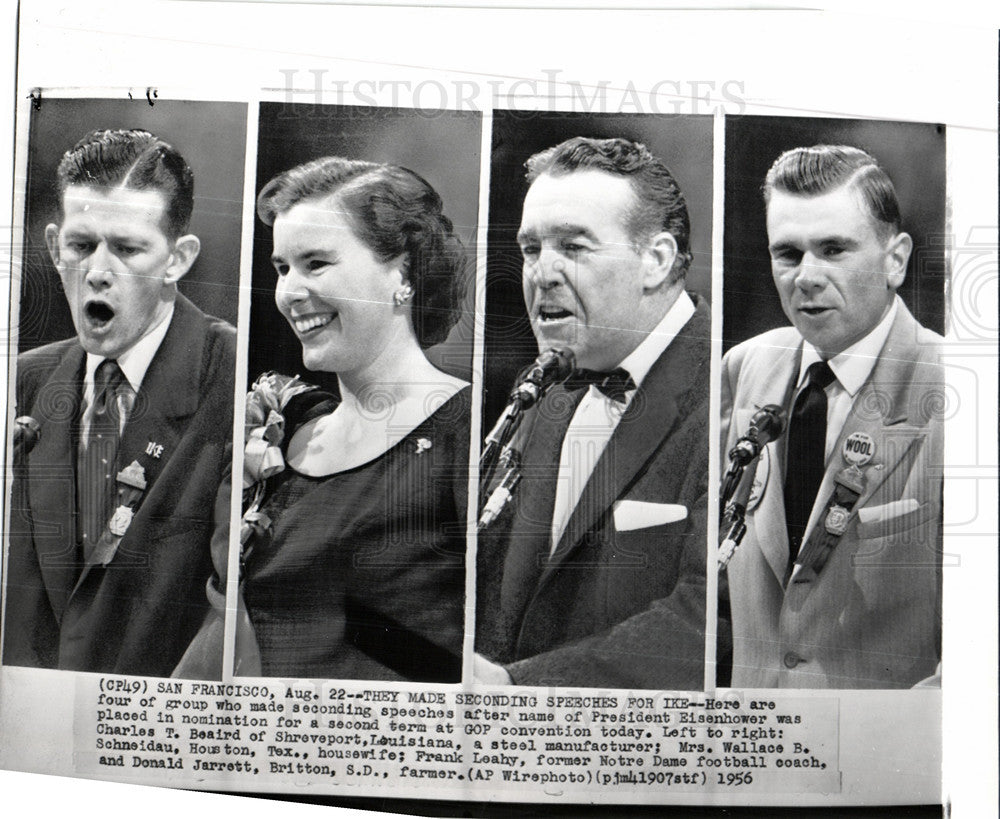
{"points": [[550, 366], [735, 511], [501, 496], [496, 441]]}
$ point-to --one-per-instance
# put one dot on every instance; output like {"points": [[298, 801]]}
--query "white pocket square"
{"points": [[631, 515], [887, 511]]}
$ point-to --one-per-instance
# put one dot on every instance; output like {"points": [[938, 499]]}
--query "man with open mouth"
{"points": [[837, 583], [595, 574], [114, 491]]}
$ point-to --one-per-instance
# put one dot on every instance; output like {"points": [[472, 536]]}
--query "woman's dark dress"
{"points": [[363, 573]]}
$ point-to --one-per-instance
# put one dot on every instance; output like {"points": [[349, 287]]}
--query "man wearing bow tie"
{"points": [[837, 581], [111, 511], [594, 575]]}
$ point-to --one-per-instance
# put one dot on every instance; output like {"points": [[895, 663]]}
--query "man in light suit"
{"points": [[595, 574], [111, 512], [837, 583]]}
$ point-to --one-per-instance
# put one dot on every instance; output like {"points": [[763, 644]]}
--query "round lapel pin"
{"points": [[858, 449]]}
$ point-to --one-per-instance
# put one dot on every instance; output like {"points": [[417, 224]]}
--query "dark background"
{"points": [[913, 154], [444, 149], [684, 143], [211, 136]]}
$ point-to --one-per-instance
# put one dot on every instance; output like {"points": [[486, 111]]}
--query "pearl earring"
{"points": [[403, 295]]}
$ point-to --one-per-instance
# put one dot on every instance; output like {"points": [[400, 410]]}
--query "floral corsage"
{"points": [[262, 454]]}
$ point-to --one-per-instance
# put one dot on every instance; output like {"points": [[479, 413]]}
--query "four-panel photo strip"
{"points": [[551, 399]]}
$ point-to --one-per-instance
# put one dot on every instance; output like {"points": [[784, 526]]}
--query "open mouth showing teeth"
{"points": [[553, 314], [99, 313], [306, 325]]}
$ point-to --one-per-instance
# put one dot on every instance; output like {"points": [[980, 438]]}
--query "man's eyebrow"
{"points": [[844, 241], [76, 233], [128, 238], [847, 241], [560, 231], [777, 247]]}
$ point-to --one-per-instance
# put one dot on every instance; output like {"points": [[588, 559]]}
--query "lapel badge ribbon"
{"points": [[131, 486], [849, 485]]}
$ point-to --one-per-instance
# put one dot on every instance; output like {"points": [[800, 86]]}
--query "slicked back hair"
{"points": [[824, 168], [659, 202], [393, 211], [134, 160]]}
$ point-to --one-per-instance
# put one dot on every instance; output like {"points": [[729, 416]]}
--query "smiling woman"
{"points": [[359, 570]]}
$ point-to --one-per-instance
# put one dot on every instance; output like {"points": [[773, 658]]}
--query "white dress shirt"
{"points": [[133, 362], [851, 369], [597, 416]]}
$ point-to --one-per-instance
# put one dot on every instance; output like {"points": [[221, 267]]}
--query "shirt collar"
{"points": [[853, 366], [639, 362], [137, 358]]}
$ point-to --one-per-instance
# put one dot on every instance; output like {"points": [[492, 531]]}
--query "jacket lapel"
{"points": [[168, 396], [880, 410], [530, 534], [642, 431], [52, 477], [775, 384]]}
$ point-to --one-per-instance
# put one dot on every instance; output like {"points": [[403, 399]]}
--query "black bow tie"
{"points": [[614, 384]]}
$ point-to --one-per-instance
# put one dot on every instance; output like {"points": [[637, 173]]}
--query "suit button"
{"points": [[792, 659]]}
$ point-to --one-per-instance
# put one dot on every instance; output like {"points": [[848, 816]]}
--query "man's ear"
{"points": [[52, 242], [186, 250], [897, 256], [662, 250]]}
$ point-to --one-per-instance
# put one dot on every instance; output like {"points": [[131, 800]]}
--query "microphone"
{"points": [[532, 382], [551, 366], [27, 431], [766, 425]]}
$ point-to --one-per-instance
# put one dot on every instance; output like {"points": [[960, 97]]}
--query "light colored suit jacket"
{"points": [[872, 617]]}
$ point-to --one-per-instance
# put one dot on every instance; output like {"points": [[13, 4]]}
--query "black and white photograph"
{"points": [[495, 410], [357, 440], [124, 381], [593, 572], [832, 427]]}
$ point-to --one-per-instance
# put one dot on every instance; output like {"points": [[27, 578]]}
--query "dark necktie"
{"points": [[95, 478], [614, 384], [806, 460]]}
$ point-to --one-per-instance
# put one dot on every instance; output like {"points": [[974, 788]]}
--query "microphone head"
{"points": [[556, 364], [767, 424], [26, 433], [28, 423], [552, 365]]}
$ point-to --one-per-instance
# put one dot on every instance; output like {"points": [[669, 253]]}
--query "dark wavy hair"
{"points": [[659, 201], [394, 212], [135, 160], [822, 168]]}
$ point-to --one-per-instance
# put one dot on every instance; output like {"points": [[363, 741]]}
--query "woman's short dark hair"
{"points": [[394, 211]]}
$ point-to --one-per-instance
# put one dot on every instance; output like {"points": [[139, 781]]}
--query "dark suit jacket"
{"points": [[137, 614], [610, 608], [872, 617]]}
